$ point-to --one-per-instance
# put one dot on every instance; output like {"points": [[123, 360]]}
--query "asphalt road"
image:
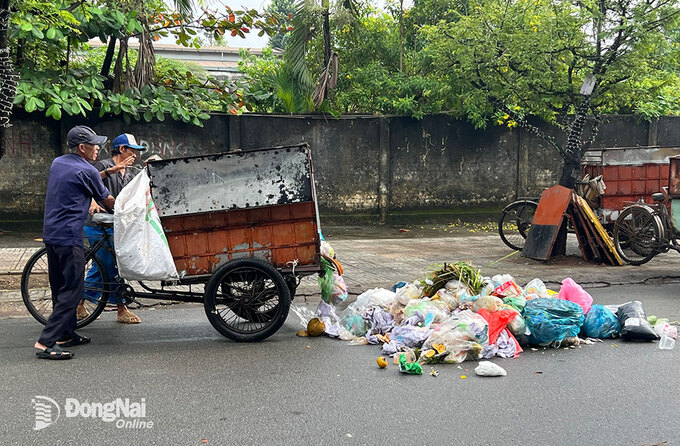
{"points": [[199, 387]]}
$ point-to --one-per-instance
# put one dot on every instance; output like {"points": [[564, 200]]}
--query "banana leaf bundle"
{"points": [[464, 272]]}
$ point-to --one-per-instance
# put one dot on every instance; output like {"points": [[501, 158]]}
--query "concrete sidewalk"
{"points": [[380, 262]]}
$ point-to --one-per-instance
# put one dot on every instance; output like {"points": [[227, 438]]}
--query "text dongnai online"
{"points": [[117, 410]]}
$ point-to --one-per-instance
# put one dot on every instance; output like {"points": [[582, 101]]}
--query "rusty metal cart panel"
{"points": [[218, 208]]}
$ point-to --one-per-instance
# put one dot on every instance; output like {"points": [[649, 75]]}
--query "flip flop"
{"points": [[54, 352], [129, 318], [75, 340]]}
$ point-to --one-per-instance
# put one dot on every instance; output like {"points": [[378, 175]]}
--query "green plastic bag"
{"points": [[411, 368], [326, 281]]}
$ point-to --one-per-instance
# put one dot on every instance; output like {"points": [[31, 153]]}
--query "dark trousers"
{"points": [[66, 266]]}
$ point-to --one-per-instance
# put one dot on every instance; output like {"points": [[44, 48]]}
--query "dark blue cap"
{"points": [[82, 134]]}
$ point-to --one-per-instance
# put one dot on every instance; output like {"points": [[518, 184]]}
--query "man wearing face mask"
{"points": [[72, 185], [116, 174]]}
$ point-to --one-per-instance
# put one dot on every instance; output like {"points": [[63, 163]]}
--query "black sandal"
{"points": [[54, 352], [75, 340]]}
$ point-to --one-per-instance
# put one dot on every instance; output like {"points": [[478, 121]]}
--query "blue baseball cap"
{"points": [[126, 140]]}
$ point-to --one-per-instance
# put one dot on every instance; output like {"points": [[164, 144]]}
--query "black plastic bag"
{"points": [[634, 324]]}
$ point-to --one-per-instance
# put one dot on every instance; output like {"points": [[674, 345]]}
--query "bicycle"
{"points": [[35, 287], [515, 221], [642, 230]]}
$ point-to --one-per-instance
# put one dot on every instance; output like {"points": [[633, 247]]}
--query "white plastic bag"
{"points": [[142, 250], [486, 368]]}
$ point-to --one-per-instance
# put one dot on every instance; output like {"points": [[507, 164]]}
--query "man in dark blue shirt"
{"points": [[73, 183]]}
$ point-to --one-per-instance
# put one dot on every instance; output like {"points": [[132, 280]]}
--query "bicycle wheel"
{"points": [[515, 221], [638, 234], [247, 300], [37, 296]]}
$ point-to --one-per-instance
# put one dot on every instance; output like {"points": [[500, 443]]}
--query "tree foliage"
{"points": [[51, 52]]}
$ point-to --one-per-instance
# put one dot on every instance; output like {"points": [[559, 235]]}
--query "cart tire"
{"points": [[247, 300], [37, 295], [638, 234], [515, 221]]}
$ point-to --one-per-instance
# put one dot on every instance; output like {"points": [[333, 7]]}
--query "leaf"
{"points": [[30, 105], [54, 111], [51, 33], [26, 26], [148, 116], [160, 115], [37, 33]]}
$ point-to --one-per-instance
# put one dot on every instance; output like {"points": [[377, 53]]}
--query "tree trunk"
{"points": [[108, 59], [575, 148], [8, 77]]}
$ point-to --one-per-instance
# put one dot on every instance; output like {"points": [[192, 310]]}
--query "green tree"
{"points": [[508, 59], [284, 9], [48, 39]]}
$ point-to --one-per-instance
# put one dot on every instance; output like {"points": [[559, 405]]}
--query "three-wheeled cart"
{"points": [[242, 228]]}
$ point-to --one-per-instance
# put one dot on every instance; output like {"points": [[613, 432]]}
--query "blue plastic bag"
{"points": [[600, 322], [551, 320]]}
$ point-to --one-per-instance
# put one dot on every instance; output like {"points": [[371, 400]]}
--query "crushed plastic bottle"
{"points": [[666, 343]]}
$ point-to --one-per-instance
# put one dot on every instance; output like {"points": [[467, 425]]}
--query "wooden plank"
{"points": [[608, 244], [546, 223], [580, 235], [595, 248]]}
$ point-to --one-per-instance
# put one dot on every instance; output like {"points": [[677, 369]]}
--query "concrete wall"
{"points": [[363, 165]]}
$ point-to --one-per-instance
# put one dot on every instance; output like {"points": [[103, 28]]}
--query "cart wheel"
{"points": [[247, 300], [638, 234], [37, 296], [515, 221]]}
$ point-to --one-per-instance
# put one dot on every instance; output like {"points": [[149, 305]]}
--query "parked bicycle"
{"points": [[515, 219], [644, 230]]}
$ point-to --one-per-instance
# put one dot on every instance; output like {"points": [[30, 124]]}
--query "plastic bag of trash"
{"points": [[352, 320], [601, 323], [573, 292], [486, 368], [517, 302], [490, 303], [634, 324], [408, 292], [326, 280], [433, 310], [374, 297], [463, 334], [507, 287], [403, 336], [666, 329], [551, 320], [339, 290], [536, 289], [497, 321], [447, 297], [141, 245], [518, 327]]}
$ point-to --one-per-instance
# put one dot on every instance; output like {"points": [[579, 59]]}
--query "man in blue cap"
{"points": [[72, 185], [116, 174]]}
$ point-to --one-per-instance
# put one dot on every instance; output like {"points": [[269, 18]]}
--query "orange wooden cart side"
{"points": [[279, 234]]}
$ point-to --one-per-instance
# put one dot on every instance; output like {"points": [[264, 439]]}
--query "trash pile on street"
{"points": [[456, 314]]}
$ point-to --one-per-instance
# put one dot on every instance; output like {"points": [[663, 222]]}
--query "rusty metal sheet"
{"points": [[546, 223], [234, 180]]}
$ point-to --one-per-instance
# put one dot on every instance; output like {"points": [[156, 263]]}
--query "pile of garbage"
{"points": [[456, 314]]}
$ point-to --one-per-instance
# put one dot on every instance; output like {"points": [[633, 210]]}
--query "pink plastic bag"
{"points": [[573, 292]]}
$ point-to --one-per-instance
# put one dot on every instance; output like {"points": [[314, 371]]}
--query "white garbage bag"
{"points": [[141, 248]]}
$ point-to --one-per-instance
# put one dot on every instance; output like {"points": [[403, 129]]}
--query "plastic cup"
{"points": [[666, 343]]}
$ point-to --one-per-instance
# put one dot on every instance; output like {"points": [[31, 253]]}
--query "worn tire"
{"points": [[247, 300]]}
